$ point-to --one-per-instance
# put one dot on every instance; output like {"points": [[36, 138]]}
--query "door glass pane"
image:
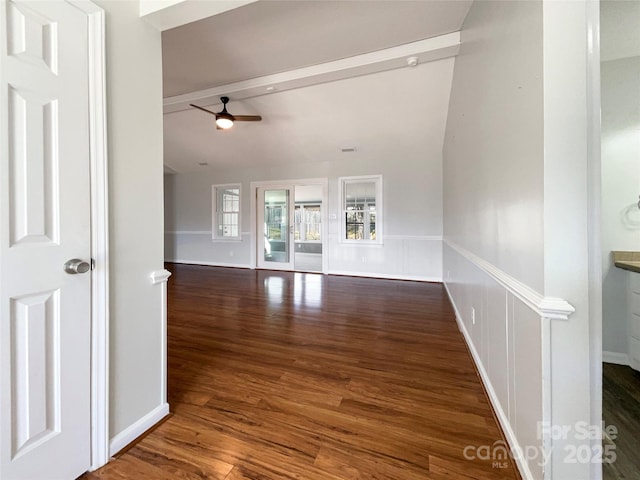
{"points": [[307, 246], [276, 226]]}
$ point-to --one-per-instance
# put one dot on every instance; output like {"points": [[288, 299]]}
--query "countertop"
{"points": [[627, 261]]}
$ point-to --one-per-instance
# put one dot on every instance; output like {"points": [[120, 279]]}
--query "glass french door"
{"points": [[275, 228]]}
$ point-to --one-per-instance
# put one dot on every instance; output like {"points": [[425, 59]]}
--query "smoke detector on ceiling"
{"points": [[412, 61]]}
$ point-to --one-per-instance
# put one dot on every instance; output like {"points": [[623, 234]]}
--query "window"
{"points": [[308, 222], [361, 200], [226, 212]]}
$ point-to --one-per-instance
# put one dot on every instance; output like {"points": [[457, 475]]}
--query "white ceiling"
{"points": [[307, 124], [389, 114], [619, 29], [272, 36]]}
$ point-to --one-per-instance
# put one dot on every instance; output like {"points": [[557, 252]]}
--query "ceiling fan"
{"points": [[224, 120]]}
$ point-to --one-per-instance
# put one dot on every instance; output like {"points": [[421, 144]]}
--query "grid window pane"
{"points": [[355, 231], [308, 222], [227, 215], [360, 209], [372, 226]]}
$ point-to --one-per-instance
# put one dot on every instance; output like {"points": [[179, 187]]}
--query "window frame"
{"points": [[215, 236], [342, 183]]}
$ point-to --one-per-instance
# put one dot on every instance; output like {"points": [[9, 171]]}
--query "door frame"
{"points": [[99, 233], [253, 188], [594, 219]]}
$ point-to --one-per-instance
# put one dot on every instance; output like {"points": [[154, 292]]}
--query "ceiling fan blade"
{"points": [[247, 118], [203, 109]]}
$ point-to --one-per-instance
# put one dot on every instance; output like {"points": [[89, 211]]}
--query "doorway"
{"points": [[619, 188], [290, 225]]}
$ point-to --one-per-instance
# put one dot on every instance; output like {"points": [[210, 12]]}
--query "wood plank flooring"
{"points": [[621, 408], [280, 375]]}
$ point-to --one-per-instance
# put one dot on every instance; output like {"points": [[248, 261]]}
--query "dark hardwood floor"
{"points": [[621, 408], [311, 377]]}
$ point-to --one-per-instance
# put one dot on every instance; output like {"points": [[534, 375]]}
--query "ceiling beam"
{"points": [[431, 49]]}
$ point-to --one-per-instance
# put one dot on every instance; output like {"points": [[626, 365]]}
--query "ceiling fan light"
{"points": [[224, 122]]}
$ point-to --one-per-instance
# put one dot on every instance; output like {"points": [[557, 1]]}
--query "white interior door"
{"points": [[275, 227], [44, 222]]}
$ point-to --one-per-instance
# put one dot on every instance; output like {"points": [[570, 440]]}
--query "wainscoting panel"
{"points": [[503, 322], [400, 256], [404, 257], [197, 247]]}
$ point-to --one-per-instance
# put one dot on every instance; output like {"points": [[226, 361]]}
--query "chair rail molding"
{"points": [[159, 276], [547, 307]]}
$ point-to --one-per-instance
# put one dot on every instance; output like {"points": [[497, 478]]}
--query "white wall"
{"points": [[411, 165], [412, 244], [620, 190], [134, 115], [516, 216], [493, 202]]}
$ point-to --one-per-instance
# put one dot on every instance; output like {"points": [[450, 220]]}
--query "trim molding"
{"points": [[98, 159], [415, 278], [430, 238], [493, 397], [616, 358], [159, 276], [425, 238], [136, 429], [546, 307], [201, 232], [208, 264], [187, 232]]}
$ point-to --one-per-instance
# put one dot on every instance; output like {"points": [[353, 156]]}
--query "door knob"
{"points": [[75, 265]]}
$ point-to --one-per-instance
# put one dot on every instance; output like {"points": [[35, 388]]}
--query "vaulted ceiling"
{"points": [[270, 37]]}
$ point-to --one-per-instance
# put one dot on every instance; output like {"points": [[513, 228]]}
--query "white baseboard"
{"points": [[208, 264], [523, 468], [330, 272], [385, 276], [615, 357], [133, 431]]}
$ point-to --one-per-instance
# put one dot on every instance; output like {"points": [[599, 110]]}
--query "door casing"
{"points": [[295, 182], [99, 234]]}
